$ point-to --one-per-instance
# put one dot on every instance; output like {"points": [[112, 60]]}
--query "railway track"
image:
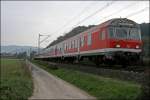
{"points": [[136, 68], [103, 70]]}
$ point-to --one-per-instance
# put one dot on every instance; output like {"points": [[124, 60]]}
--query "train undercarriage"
{"points": [[111, 58]]}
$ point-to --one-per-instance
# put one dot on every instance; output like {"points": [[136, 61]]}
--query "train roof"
{"points": [[114, 22], [119, 21]]}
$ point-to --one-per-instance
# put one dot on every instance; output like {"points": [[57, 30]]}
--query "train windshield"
{"points": [[124, 33], [121, 33], [134, 33]]}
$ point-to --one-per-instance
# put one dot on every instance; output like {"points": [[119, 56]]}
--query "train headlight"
{"points": [[137, 47], [118, 46]]}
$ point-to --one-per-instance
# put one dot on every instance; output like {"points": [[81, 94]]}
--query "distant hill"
{"points": [[17, 49]]}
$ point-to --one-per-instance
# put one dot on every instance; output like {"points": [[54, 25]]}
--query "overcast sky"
{"points": [[22, 21]]}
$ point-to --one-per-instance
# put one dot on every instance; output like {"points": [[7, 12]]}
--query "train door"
{"points": [[78, 44], [55, 50], [63, 48], [102, 38]]}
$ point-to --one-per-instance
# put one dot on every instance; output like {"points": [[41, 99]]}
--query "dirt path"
{"points": [[47, 86]]}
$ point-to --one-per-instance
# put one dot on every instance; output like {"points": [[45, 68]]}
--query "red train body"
{"points": [[116, 40]]}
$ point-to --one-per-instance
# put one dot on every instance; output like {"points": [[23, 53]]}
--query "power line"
{"points": [[77, 16], [120, 10], [45, 38], [97, 11], [135, 13], [104, 7]]}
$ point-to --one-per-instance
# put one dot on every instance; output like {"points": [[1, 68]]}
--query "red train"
{"points": [[114, 41]]}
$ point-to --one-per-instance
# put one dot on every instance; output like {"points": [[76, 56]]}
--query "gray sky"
{"points": [[22, 21]]}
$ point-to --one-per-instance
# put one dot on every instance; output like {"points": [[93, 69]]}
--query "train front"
{"points": [[124, 41]]}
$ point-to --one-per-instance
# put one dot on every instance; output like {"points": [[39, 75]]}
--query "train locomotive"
{"points": [[117, 40]]}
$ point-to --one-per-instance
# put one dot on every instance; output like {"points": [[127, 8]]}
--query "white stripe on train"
{"points": [[96, 51]]}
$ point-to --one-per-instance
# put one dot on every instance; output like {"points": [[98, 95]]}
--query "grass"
{"points": [[16, 81], [100, 87]]}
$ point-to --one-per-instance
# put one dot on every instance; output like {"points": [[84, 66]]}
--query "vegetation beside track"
{"points": [[100, 87], [16, 80]]}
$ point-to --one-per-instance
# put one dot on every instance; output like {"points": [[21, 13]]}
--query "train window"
{"points": [[134, 34], [82, 39], [74, 44], [121, 33], [89, 38], [60, 47], [77, 43], [66, 46], [102, 35], [55, 48], [111, 32], [69, 44]]}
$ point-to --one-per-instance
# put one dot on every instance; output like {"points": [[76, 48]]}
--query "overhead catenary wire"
{"points": [[78, 15], [137, 12], [45, 38], [75, 17], [97, 11], [91, 15], [120, 10]]}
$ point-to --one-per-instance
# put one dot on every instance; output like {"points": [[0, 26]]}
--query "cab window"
{"points": [[111, 32], [134, 34]]}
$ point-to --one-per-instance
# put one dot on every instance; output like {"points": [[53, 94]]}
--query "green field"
{"points": [[16, 81], [100, 87]]}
